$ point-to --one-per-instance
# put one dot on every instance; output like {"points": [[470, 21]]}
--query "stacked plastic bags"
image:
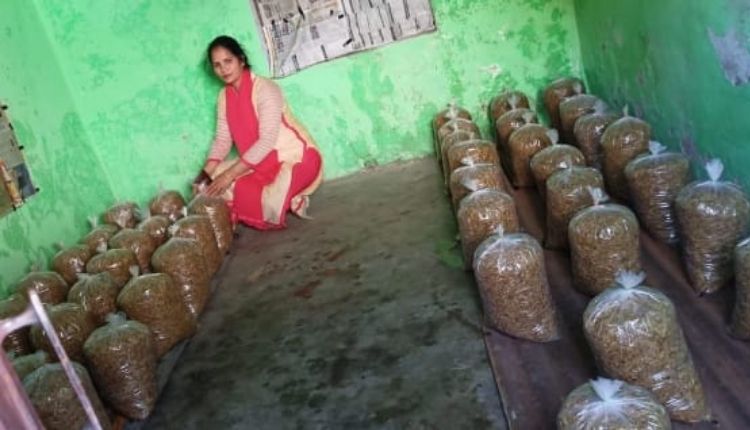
{"points": [[155, 270]]}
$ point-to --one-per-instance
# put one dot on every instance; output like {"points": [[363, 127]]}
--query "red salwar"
{"points": [[289, 169]]}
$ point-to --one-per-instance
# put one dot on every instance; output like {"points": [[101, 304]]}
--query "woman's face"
{"points": [[227, 66]]}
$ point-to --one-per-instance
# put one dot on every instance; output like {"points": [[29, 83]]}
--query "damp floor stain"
{"points": [[348, 321]]}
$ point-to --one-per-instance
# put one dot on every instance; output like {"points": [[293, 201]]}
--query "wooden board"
{"points": [[533, 379]]}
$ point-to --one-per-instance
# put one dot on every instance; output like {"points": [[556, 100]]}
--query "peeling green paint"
{"points": [[146, 101], [659, 58], [58, 152], [134, 103]]}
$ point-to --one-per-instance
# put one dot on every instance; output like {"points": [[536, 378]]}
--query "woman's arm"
{"points": [[222, 139], [222, 182], [269, 109]]}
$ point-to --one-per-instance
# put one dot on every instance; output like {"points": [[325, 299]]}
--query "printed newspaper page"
{"points": [[300, 33]]}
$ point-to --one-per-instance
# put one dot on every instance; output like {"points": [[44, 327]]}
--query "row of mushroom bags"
{"points": [[605, 180]]}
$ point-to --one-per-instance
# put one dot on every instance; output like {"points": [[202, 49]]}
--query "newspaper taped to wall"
{"points": [[15, 180], [300, 33]]}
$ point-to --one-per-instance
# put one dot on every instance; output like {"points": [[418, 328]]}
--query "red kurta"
{"points": [[289, 167]]}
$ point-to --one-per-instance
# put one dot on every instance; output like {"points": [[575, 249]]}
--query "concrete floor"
{"points": [[361, 318]]}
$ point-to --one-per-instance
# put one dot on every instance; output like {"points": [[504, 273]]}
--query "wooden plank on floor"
{"points": [[533, 379]]}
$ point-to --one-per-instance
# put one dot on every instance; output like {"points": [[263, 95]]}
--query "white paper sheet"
{"points": [[300, 33]]}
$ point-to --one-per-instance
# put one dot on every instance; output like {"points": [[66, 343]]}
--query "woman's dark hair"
{"points": [[231, 45]]}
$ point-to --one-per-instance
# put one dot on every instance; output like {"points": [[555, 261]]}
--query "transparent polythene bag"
{"points": [[551, 159], [571, 109], [556, 92], [612, 404], [55, 401], [452, 111], [523, 144], [474, 177], [713, 216], [567, 193], [654, 180], [156, 301], [634, 334], [473, 151], [740, 327], [168, 203], [588, 131], [622, 141], [505, 102], [122, 360], [604, 240], [512, 279], [480, 214]]}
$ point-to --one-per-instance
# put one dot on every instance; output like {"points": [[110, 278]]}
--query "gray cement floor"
{"points": [[361, 318]]}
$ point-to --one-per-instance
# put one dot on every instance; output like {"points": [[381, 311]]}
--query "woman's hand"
{"points": [[222, 182], [219, 185]]}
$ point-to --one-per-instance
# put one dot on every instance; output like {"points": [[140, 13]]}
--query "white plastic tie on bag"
{"points": [[554, 136], [714, 168], [655, 147], [134, 271], [470, 184], [93, 222], [101, 248], [600, 107], [628, 279], [606, 389], [500, 230], [610, 403], [467, 161], [567, 163], [577, 88], [513, 101], [184, 211], [172, 230], [146, 212], [452, 112], [597, 195], [497, 238], [528, 117], [626, 111], [115, 318]]}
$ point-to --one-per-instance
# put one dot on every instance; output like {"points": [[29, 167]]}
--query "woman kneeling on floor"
{"points": [[279, 165]]}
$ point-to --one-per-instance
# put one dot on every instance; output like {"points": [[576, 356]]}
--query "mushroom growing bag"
{"points": [[634, 334], [613, 405], [604, 240], [512, 281], [654, 180], [713, 216]]}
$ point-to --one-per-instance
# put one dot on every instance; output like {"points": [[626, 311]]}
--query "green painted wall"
{"points": [[112, 98], [684, 65], [72, 182], [145, 99]]}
